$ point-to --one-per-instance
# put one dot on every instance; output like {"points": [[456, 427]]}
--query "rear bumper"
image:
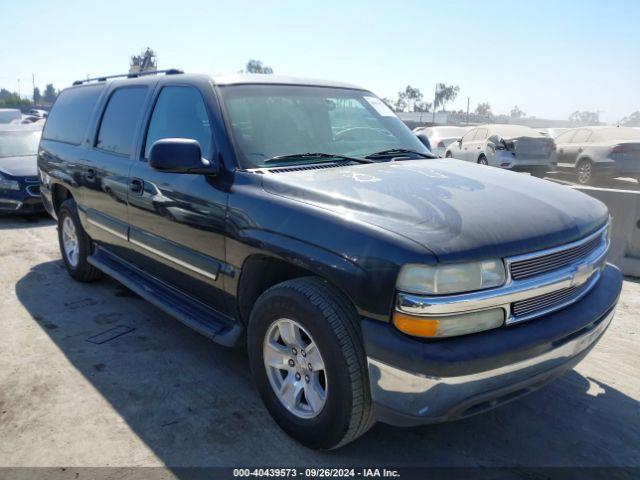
{"points": [[417, 382]]}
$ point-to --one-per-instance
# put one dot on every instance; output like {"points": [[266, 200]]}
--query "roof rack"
{"points": [[171, 71]]}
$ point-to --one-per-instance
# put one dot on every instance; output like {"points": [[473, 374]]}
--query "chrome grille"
{"points": [[552, 261], [550, 301]]}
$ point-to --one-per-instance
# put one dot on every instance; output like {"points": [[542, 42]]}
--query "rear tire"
{"points": [[448, 155], [75, 244], [584, 172], [326, 324]]}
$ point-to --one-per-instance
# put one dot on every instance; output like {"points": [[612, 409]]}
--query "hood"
{"points": [[457, 210], [24, 166]]}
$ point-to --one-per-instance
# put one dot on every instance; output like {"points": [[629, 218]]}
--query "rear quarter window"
{"points": [[70, 115]]}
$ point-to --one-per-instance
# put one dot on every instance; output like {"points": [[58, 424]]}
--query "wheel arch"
{"points": [[260, 271]]}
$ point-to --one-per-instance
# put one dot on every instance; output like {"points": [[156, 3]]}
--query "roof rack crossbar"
{"points": [[171, 71]]}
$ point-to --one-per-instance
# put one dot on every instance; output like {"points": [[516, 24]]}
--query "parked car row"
{"points": [[589, 152], [15, 116]]}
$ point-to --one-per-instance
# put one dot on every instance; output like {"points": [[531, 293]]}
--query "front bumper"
{"points": [[417, 382]]}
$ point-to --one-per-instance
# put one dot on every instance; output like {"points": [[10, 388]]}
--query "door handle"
{"points": [[136, 186], [580, 150], [91, 174]]}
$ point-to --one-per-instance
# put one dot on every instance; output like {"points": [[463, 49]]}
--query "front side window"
{"points": [[19, 143], [120, 120], [180, 113], [273, 120]]}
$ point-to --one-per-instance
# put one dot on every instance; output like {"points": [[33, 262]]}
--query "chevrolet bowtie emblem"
{"points": [[581, 274]]}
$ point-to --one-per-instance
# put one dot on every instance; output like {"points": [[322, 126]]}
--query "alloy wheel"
{"points": [[70, 242], [295, 368]]}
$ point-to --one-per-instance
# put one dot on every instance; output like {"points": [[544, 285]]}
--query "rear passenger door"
{"points": [[107, 163], [563, 145], [177, 220]]}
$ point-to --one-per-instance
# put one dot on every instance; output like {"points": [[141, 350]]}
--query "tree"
{"points": [[49, 93], [517, 113], [445, 94], [256, 66], [632, 120], [584, 117], [36, 96], [409, 99], [484, 109]]}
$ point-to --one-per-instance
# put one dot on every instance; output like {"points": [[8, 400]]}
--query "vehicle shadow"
{"points": [[193, 404], [13, 221]]}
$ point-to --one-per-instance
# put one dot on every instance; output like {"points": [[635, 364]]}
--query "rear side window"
{"points": [[120, 120], [180, 113], [582, 136], [70, 115], [469, 136], [565, 137]]}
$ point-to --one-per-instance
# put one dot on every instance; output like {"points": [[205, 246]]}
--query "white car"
{"points": [[441, 137], [514, 147]]}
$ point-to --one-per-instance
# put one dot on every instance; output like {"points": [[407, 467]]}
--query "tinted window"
{"points": [[70, 115], [120, 119], [582, 136], [180, 113]]}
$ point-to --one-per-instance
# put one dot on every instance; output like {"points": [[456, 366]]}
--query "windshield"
{"points": [[17, 144], [277, 120]]}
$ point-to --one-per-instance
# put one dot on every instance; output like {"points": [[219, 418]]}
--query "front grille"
{"points": [[547, 301], [531, 267]]}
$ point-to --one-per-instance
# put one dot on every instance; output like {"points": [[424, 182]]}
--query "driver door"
{"points": [[177, 220]]}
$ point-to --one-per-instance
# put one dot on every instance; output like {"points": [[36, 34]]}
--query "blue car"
{"points": [[19, 184]]}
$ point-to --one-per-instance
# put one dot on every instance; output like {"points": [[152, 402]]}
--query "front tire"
{"points": [[75, 244], [482, 160], [307, 359]]}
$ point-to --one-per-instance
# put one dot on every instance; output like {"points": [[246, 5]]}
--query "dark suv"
{"points": [[368, 280]]}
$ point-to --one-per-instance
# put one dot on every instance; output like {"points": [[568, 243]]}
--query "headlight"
{"points": [[6, 184], [452, 278]]}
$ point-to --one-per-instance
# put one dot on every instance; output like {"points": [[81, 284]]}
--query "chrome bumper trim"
{"points": [[425, 399], [584, 272]]}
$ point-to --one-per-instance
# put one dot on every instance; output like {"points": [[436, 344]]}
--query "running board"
{"points": [[203, 319]]}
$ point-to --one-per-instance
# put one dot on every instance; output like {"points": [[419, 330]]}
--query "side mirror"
{"points": [[424, 139], [459, 141], [180, 155]]}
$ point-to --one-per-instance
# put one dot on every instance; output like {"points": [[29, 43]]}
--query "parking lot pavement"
{"points": [[619, 183], [161, 394]]}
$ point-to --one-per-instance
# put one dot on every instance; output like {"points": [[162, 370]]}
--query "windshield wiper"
{"points": [[313, 155], [394, 152]]}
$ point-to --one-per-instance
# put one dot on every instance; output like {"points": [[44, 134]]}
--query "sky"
{"points": [[550, 58]]}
